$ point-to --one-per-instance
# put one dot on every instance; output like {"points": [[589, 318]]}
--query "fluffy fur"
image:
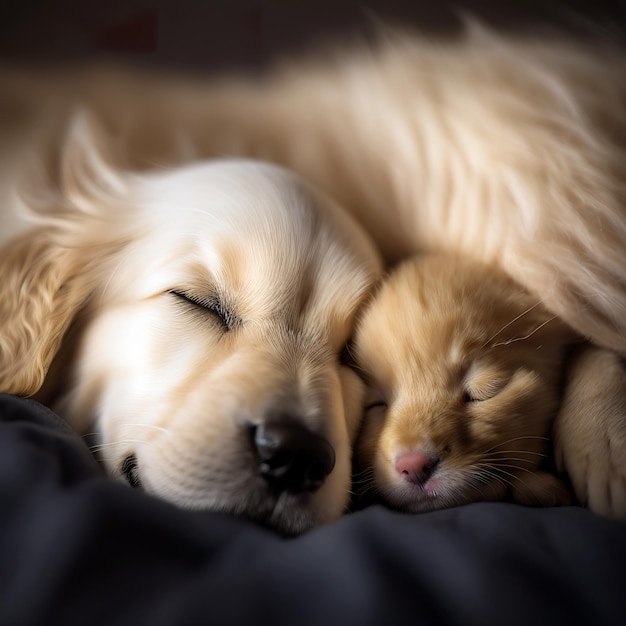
{"points": [[466, 371], [590, 430], [180, 315], [510, 150]]}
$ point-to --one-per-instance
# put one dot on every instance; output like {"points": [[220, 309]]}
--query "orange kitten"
{"points": [[465, 371]]}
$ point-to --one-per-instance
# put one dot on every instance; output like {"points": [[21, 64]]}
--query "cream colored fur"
{"points": [[590, 430], [90, 320], [509, 150]]}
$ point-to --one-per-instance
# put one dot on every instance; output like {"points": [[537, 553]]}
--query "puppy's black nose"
{"points": [[292, 458]]}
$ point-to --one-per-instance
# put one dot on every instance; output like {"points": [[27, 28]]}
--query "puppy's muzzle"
{"points": [[291, 457]]}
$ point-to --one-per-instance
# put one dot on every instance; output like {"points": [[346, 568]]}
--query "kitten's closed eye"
{"points": [[483, 383]]}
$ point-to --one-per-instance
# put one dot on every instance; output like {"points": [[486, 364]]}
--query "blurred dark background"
{"points": [[205, 35]]}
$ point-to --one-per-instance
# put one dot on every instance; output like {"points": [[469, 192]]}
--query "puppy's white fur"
{"points": [[89, 309]]}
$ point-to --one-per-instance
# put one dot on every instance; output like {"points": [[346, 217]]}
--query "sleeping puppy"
{"points": [[466, 371], [193, 319]]}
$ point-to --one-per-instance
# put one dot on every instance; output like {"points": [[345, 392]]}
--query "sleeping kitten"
{"points": [[466, 371]]}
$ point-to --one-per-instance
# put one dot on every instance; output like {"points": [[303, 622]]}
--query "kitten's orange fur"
{"points": [[465, 367]]}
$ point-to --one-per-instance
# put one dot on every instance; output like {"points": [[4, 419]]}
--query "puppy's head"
{"points": [[208, 307], [464, 369]]}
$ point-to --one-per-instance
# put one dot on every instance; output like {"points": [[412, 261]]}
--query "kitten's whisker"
{"points": [[516, 452], [504, 443], [371, 490], [530, 334], [528, 310], [368, 472], [484, 481], [523, 482], [516, 467], [519, 478], [514, 461], [500, 468], [495, 477]]}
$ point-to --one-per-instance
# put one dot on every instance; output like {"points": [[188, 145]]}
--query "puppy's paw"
{"points": [[590, 431]]}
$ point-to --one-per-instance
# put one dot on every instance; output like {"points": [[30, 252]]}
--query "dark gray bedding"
{"points": [[77, 548]]}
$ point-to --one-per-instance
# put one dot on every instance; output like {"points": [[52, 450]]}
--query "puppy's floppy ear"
{"points": [[40, 291], [87, 173], [47, 274]]}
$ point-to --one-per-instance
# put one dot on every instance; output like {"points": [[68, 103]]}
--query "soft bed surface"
{"points": [[77, 548]]}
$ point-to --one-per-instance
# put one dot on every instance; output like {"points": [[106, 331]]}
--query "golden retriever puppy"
{"points": [[193, 319], [466, 371]]}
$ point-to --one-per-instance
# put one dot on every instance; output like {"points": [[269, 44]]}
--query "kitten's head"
{"points": [[464, 369]]}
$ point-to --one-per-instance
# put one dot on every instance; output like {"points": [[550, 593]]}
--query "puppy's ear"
{"points": [[40, 291], [48, 273], [87, 173]]}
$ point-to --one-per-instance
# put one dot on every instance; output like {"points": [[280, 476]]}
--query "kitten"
{"points": [[465, 370]]}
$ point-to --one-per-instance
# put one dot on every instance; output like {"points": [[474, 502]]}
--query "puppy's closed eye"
{"points": [[212, 304], [375, 402]]}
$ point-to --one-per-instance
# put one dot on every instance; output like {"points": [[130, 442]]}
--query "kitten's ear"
{"points": [[540, 489]]}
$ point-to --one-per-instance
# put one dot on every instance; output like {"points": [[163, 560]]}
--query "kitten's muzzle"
{"points": [[416, 467]]}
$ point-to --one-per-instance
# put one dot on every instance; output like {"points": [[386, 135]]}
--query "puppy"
{"points": [[193, 319], [466, 371]]}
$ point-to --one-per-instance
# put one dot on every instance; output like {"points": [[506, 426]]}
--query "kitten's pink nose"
{"points": [[415, 467]]}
